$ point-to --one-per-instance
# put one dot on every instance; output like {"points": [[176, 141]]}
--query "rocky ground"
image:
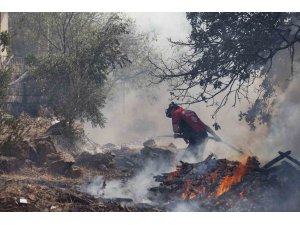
{"points": [[45, 170]]}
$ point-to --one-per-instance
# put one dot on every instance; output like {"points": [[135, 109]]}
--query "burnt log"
{"points": [[277, 159], [291, 159]]}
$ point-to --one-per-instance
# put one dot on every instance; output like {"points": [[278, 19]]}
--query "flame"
{"points": [[228, 181], [192, 195], [213, 176], [172, 175], [242, 194], [186, 189]]}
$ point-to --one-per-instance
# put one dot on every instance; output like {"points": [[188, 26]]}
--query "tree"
{"points": [[4, 40], [226, 54], [5, 70], [135, 76], [82, 49]]}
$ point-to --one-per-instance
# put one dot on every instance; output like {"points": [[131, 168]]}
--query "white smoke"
{"points": [[285, 131], [136, 188], [133, 116], [136, 115]]}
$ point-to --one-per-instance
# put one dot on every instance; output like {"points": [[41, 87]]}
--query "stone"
{"points": [[95, 161], [157, 154], [10, 164], [149, 143], [21, 150], [43, 148], [60, 163], [75, 172], [109, 147]]}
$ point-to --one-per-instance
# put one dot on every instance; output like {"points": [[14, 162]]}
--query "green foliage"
{"points": [[30, 60], [73, 74], [4, 40], [5, 75], [13, 130], [5, 71]]}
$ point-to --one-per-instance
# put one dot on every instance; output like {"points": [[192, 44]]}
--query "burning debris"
{"points": [[224, 185], [126, 175]]}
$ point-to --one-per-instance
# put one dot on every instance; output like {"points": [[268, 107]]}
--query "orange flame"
{"points": [[228, 181], [186, 189], [172, 175], [192, 195]]}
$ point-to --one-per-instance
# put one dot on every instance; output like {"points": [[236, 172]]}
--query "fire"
{"points": [[213, 176], [172, 175], [186, 189], [228, 181], [192, 195]]}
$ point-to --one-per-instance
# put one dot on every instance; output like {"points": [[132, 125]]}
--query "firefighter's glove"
{"points": [[177, 135]]}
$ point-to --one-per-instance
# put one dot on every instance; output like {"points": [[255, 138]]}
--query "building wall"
{"points": [[23, 95], [3, 26]]}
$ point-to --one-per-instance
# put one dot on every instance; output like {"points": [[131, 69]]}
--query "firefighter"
{"points": [[187, 125]]}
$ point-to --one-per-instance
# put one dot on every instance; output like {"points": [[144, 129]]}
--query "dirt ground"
{"points": [[27, 180], [33, 190]]}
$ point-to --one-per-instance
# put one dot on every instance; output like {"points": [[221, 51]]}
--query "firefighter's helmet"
{"points": [[170, 109]]}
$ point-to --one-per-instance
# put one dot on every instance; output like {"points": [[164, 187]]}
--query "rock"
{"points": [[150, 143], [43, 147], [109, 147], [56, 129], [157, 154], [170, 147], [95, 161], [10, 164], [60, 163], [35, 150], [124, 148], [21, 150], [75, 172]]}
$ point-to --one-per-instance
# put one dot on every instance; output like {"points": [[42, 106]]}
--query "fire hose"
{"points": [[229, 145], [210, 138]]}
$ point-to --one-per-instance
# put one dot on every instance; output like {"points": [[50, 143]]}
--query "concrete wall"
{"points": [[23, 95], [4, 21], [3, 26]]}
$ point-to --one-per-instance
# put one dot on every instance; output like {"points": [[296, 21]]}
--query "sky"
{"points": [[165, 25], [148, 6]]}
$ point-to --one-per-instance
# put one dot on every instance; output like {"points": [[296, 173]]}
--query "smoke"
{"points": [[133, 116], [284, 132], [136, 115], [165, 25], [186, 207], [136, 188]]}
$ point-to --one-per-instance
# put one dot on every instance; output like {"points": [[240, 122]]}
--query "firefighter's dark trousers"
{"points": [[197, 145]]}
